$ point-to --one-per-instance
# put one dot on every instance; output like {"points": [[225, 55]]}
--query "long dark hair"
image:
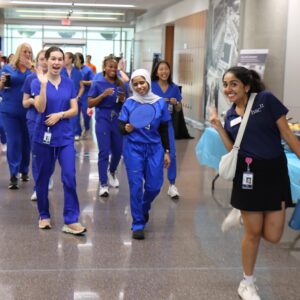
{"points": [[53, 49], [247, 77], [154, 76]]}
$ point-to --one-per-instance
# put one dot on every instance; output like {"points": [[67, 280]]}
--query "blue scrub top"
{"points": [[31, 112], [109, 103], [57, 100], [148, 134], [75, 76], [172, 91], [87, 75], [261, 139], [12, 97]]}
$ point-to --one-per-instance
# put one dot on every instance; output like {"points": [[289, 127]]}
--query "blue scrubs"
{"points": [[144, 159], [76, 77], [87, 75], [109, 138], [171, 92], [61, 147], [31, 117], [13, 116]]}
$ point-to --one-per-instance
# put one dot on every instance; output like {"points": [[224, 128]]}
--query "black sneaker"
{"points": [[24, 177], [13, 184], [138, 235]]}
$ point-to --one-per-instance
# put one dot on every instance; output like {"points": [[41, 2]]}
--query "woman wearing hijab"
{"points": [[146, 150]]}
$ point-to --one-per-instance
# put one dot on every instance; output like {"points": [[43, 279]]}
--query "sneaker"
{"points": [[24, 177], [248, 291], [13, 184], [74, 228], [77, 138], [173, 192], [233, 219], [103, 191], [44, 224], [33, 196], [138, 234], [50, 185], [112, 179]]}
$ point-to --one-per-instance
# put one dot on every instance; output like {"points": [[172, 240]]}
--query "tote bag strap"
{"points": [[244, 122]]}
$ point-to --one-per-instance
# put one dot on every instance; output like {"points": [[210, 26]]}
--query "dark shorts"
{"points": [[271, 185]]}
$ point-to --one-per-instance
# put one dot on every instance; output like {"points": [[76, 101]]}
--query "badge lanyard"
{"points": [[247, 183]]}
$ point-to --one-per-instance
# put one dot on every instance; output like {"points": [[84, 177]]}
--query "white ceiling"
{"points": [[93, 15]]}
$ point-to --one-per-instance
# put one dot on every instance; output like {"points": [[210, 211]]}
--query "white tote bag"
{"points": [[227, 166]]}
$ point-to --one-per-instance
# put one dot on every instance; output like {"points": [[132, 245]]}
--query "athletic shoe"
{"points": [[44, 224], [24, 177], [77, 138], [138, 234], [50, 185], [13, 184], [74, 228], [103, 191], [112, 179], [33, 196], [173, 192], [232, 220], [248, 291]]}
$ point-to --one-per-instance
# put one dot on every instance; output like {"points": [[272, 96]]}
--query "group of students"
{"points": [[40, 114], [52, 102]]}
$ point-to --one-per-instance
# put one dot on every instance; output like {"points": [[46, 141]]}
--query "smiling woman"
{"points": [[55, 99]]}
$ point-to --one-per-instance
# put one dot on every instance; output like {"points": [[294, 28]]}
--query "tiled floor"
{"points": [[184, 256]]}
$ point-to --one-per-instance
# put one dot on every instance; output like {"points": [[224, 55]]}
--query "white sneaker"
{"points": [[173, 192], [33, 196], [232, 220], [112, 179], [103, 191], [50, 185], [248, 291]]}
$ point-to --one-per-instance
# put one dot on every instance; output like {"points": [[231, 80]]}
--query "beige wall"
{"points": [[188, 64], [147, 43], [264, 27]]}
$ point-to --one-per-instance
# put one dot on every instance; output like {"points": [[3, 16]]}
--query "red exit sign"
{"points": [[66, 22]]}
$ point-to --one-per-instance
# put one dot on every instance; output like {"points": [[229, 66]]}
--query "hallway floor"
{"points": [[185, 256]]}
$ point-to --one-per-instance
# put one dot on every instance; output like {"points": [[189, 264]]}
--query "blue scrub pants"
{"points": [[18, 143], [31, 127], [172, 168], [144, 162], [110, 141], [75, 121], [2, 133], [45, 157], [86, 117]]}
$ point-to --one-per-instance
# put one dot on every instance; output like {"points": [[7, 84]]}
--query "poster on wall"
{"points": [[254, 59], [223, 52]]}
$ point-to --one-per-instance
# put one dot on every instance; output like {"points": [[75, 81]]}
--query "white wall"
{"points": [[171, 14], [292, 62]]}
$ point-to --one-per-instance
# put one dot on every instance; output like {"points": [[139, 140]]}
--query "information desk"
{"points": [[210, 149]]}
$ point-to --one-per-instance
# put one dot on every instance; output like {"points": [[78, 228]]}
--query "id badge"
{"points": [[47, 137], [247, 183]]}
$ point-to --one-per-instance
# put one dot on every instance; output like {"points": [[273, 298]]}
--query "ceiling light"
{"points": [[71, 18], [74, 12], [71, 4]]}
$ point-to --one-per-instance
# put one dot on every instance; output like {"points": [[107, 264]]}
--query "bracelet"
{"points": [[62, 115]]}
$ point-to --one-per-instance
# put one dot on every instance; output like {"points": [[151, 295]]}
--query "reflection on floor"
{"points": [[184, 256]]}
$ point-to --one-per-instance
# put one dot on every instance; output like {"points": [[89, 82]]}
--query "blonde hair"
{"points": [[17, 56]]}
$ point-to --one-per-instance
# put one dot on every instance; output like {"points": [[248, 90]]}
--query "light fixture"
{"points": [[74, 12], [72, 17], [73, 4]]}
